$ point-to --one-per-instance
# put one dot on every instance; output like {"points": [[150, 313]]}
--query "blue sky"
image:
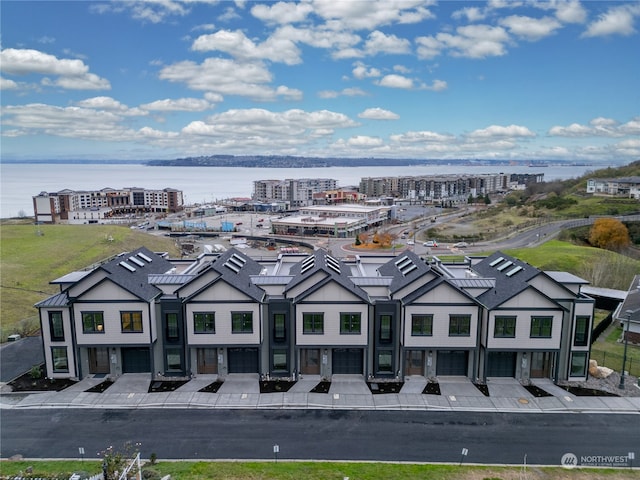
{"points": [[501, 79]]}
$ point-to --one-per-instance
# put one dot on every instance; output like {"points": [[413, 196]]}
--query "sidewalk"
{"points": [[242, 391]]}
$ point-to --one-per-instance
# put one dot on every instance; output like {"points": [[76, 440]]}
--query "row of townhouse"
{"points": [[375, 316], [622, 186], [92, 206]]}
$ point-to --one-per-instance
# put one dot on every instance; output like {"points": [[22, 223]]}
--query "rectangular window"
{"points": [[422, 325], [313, 323], [56, 327], [385, 364], [92, 322], [578, 364], [60, 359], [349, 323], [385, 328], [541, 327], [174, 362], [242, 322], [172, 326], [581, 337], [204, 322], [280, 360], [131, 322], [459, 325], [279, 327], [505, 327]]}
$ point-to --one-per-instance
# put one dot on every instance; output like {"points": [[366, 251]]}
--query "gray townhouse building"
{"points": [[380, 316]]}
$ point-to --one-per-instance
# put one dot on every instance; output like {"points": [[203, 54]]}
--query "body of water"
{"points": [[20, 182]]}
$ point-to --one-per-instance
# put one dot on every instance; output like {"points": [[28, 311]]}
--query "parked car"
{"points": [[410, 242], [430, 243], [461, 245]]}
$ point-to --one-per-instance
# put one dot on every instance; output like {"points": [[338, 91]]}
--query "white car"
{"points": [[430, 243], [410, 242], [461, 245]]}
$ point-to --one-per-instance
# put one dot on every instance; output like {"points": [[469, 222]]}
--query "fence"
{"points": [[614, 362]]}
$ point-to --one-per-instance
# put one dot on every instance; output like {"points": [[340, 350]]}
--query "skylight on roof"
{"points": [[332, 263], [144, 257], [409, 268], [496, 261], [136, 261], [505, 265], [127, 266], [514, 270], [308, 263]]}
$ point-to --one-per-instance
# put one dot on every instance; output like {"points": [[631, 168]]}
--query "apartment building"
{"points": [[298, 192], [96, 206], [371, 315], [454, 187]]}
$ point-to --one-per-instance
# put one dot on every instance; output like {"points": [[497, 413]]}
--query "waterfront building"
{"points": [[98, 206], [381, 316], [298, 192]]}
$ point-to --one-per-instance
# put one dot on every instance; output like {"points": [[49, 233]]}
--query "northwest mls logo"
{"points": [[569, 460]]}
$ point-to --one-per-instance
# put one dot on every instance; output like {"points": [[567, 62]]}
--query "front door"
{"points": [[540, 365], [207, 360], [414, 362], [99, 360], [310, 361]]}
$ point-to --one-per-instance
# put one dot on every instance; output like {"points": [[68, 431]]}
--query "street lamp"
{"points": [[626, 341]]}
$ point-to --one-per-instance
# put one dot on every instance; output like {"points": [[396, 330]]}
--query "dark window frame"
{"points": [[134, 319], [313, 323], [241, 322], [422, 325], [459, 325], [204, 322], [539, 327], [172, 331], [93, 319], [584, 366], [350, 323], [54, 357], [504, 326], [581, 336], [279, 327], [386, 330], [56, 326]]}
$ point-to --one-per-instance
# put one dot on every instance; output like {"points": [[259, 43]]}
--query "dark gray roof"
{"points": [[235, 269], [131, 270], [631, 305], [333, 269], [418, 292], [404, 269], [58, 300]]}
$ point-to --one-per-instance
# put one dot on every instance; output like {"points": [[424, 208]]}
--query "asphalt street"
{"points": [[501, 438]]}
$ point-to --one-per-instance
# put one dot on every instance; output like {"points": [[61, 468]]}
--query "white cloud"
{"points": [[498, 131], [422, 137], [616, 21], [378, 113], [570, 11], [364, 141], [227, 77], [282, 12], [7, 84], [530, 28], [472, 14], [71, 74], [598, 127], [361, 71], [436, 86], [472, 41], [236, 44], [346, 92], [378, 42], [155, 11], [395, 81], [178, 105]]}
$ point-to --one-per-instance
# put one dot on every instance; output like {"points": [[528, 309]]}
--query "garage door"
{"points": [[347, 361], [243, 360], [502, 364], [136, 360], [452, 362]]}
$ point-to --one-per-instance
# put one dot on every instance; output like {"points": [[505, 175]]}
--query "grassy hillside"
{"points": [[31, 256]]}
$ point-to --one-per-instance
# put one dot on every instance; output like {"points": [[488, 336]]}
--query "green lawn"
{"points": [[31, 256], [201, 470], [608, 352]]}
